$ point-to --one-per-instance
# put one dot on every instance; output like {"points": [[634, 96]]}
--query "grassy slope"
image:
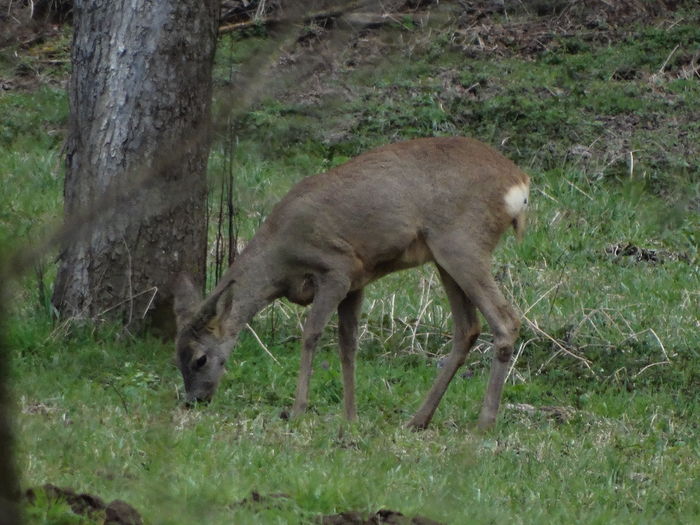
{"points": [[97, 412]]}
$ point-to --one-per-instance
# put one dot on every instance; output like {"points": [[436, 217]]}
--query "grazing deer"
{"points": [[445, 200]]}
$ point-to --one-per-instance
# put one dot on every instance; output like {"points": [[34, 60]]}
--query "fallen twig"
{"points": [[556, 343], [262, 345]]}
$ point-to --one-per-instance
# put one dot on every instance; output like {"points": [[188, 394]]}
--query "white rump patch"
{"points": [[516, 199]]}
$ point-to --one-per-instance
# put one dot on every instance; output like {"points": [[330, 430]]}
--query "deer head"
{"points": [[200, 352]]}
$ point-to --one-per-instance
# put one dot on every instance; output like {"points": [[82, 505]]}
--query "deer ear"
{"points": [[215, 327], [223, 306], [186, 298]]}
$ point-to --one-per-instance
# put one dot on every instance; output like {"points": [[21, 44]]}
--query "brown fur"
{"points": [[435, 200]]}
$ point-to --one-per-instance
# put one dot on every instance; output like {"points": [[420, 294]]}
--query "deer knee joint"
{"points": [[507, 332], [503, 353], [310, 341]]}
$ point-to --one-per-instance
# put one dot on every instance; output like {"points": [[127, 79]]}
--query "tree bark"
{"points": [[136, 156]]}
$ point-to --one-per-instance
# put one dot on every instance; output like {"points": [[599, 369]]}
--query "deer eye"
{"points": [[200, 362]]}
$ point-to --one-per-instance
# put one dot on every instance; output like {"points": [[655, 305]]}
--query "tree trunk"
{"points": [[138, 141]]}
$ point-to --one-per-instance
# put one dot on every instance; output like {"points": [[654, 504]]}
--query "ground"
{"points": [[597, 101]]}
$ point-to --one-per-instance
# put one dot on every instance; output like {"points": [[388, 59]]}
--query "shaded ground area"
{"points": [[530, 27], [523, 28], [335, 37], [613, 129], [117, 512]]}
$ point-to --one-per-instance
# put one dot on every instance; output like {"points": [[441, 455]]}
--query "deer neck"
{"points": [[250, 284]]}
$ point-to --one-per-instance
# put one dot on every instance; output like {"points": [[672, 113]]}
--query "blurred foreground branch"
{"points": [[9, 486]]}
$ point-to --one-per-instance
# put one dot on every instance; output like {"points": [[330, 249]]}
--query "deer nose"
{"points": [[192, 399]]}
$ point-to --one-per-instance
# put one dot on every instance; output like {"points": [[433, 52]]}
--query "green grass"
{"points": [[612, 339], [102, 417], [31, 135]]}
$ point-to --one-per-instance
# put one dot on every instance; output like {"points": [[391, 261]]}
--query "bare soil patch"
{"points": [[625, 250], [117, 512], [524, 28], [314, 71], [390, 517], [530, 27]]}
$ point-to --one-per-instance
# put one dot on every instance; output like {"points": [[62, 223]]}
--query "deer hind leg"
{"points": [[470, 268], [466, 330], [348, 318], [329, 291]]}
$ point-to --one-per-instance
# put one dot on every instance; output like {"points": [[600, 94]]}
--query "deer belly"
{"points": [[415, 254], [301, 291]]}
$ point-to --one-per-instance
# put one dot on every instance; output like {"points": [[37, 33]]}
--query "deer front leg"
{"points": [[348, 318], [466, 331], [328, 294]]}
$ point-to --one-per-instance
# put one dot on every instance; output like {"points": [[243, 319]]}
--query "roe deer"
{"points": [[445, 200]]}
